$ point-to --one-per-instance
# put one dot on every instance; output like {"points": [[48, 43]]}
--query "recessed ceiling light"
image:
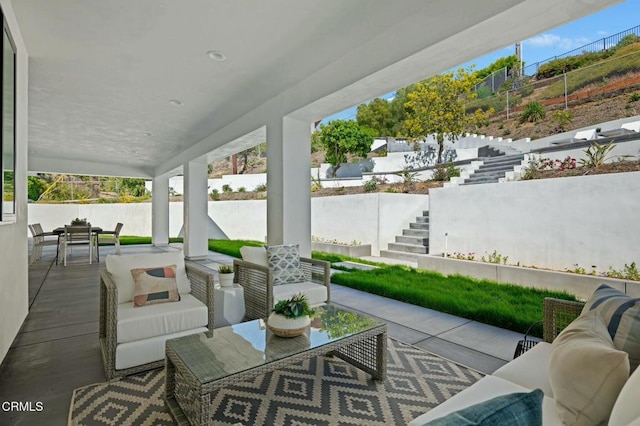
{"points": [[148, 134], [176, 102], [216, 56]]}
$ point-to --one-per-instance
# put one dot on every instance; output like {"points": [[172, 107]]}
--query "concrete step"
{"points": [[501, 166], [400, 255], [424, 233], [502, 158], [422, 219], [420, 241], [414, 225], [408, 248], [485, 178]]}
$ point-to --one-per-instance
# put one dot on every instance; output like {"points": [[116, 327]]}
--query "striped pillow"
{"points": [[621, 315], [154, 285]]}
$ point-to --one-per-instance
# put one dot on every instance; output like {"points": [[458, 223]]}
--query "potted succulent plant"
{"points": [[78, 221], [290, 317], [225, 272]]}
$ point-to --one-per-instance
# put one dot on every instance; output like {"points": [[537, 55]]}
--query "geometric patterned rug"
{"points": [[319, 391]]}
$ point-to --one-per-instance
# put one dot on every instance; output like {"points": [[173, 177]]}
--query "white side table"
{"points": [[228, 305]]}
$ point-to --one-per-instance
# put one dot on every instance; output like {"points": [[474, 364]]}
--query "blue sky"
{"points": [[556, 41]]}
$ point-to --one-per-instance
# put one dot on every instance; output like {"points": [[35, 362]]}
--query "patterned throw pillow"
{"points": [[621, 315], [284, 262], [154, 285]]}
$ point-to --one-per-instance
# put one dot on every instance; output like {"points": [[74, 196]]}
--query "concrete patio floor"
{"points": [[57, 348]]}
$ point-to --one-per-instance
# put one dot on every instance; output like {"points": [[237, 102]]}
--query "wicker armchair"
{"points": [[202, 282], [257, 282], [558, 314]]}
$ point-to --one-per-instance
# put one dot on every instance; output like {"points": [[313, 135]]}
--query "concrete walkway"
{"points": [[476, 345]]}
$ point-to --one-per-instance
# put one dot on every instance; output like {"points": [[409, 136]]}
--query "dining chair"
{"points": [[40, 240], [75, 235], [110, 238]]}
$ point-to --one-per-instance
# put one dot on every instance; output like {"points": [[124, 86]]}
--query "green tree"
{"points": [[134, 187], [508, 62], [35, 187], [377, 115], [437, 106], [342, 137]]}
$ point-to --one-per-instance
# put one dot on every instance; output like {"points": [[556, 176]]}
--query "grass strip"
{"points": [[232, 247], [502, 305]]}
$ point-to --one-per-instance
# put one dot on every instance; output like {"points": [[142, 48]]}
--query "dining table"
{"points": [[95, 230]]}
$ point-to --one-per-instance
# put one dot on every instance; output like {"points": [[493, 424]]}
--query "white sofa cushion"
{"points": [[486, 388], [530, 369], [627, 409], [257, 255], [137, 323], [316, 293], [586, 372], [120, 266], [139, 352]]}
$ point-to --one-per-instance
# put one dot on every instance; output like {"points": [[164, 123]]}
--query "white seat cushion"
{"points": [[529, 370], [626, 409], [316, 293], [132, 354], [120, 266], [484, 389], [257, 255], [161, 319]]}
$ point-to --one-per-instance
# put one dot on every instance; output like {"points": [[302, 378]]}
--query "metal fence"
{"points": [[492, 83], [603, 44], [598, 81]]}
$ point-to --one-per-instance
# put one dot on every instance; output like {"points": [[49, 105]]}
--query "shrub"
{"points": [[261, 188], [443, 173], [215, 194], [526, 90], [533, 112], [242, 189], [370, 185], [634, 97], [562, 118], [226, 188]]}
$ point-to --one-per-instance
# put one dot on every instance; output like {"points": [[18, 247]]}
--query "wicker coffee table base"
{"points": [[188, 400]]}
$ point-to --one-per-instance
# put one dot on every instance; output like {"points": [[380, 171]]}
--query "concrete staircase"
{"points": [[412, 242], [494, 168]]}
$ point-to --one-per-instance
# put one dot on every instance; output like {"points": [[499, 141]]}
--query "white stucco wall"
{"points": [[13, 236], [368, 218], [549, 223]]}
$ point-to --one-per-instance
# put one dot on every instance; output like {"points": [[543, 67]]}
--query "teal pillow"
{"points": [[512, 409]]}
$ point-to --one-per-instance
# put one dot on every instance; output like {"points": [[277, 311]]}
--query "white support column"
{"points": [[196, 224], [289, 183], [160, 211]]}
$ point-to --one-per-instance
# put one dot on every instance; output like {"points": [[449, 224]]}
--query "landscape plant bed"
{"points": [[502, 305], [615, 167]]}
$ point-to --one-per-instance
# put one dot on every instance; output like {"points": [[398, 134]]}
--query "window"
{"points": [[7, 122]]}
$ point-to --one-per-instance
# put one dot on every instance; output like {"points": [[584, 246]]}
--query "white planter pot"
{"points": [[226, 280], [287, 327]]}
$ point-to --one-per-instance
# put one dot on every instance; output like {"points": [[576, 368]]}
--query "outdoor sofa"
{"points": [[132, 339], [582, 372]]}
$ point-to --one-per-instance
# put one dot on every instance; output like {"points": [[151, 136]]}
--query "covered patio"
{"points": [[150, 89], [57, 349]]}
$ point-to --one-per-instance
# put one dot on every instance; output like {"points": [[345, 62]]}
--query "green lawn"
{"points": [[503, 305]]}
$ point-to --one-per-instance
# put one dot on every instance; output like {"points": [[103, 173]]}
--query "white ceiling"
{"points": [[102, 73]]}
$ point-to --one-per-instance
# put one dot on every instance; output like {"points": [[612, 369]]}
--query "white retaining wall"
{"points": [[549, 223], [368, 218]]}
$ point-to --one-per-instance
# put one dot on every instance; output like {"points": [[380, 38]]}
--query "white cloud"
{"points": [[603, 33], [557, 42]]}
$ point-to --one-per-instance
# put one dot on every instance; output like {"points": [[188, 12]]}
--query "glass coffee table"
{"points": [[199, 364]]}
